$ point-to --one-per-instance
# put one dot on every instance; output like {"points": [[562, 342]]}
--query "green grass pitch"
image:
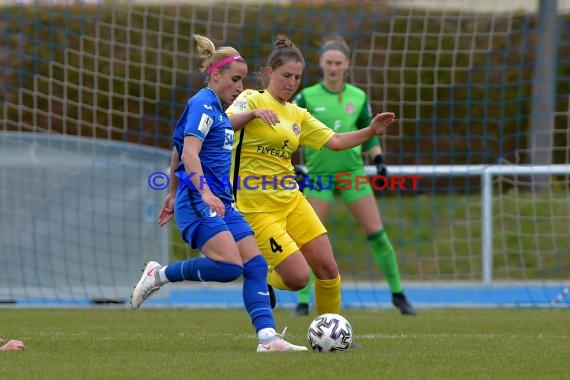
{"points": [[220, 344]]}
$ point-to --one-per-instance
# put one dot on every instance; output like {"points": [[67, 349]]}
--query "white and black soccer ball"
{"points": [[330, 332]]}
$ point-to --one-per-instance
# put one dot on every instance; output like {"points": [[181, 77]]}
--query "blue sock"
{"points": [[202, 269], [255, 294]]}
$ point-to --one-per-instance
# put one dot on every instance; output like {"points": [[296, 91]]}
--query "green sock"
{"points": [[386, 260], [304, 295]]}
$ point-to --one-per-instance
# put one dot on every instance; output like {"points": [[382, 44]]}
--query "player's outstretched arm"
{"points": [[380, 122]]}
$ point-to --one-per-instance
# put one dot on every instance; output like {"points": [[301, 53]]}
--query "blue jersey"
{"points": [[204, 117]]}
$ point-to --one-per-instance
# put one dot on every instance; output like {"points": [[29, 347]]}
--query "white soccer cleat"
{"points": [[278, 344], [147, 285], [11, 345]]}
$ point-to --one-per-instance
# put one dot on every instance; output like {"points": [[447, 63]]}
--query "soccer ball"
{"points": [[330, 332]]}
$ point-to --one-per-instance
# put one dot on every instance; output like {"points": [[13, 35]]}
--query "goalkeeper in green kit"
{"points": [[344, 108]]}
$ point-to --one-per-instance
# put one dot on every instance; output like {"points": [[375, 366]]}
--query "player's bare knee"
{"points": [[296, 281], [326, 271]]}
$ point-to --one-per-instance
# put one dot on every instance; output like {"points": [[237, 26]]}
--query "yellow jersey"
{"points": [[262, 173]]}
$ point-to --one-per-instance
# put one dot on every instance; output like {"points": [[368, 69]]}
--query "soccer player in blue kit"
{"points": [[200, 196]]}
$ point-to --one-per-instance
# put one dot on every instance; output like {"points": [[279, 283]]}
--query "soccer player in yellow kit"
{"points": [[270, 129]]}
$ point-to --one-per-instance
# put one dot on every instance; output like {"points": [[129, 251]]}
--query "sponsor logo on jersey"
{"points": [[337, 125], [229, 139], [272, 151]]}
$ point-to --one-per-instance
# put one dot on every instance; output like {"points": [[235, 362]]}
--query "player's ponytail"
{"points": [[282, 42], [213, 59]]}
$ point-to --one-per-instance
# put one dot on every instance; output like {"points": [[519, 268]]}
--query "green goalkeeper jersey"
{"points": [[351, 113]]}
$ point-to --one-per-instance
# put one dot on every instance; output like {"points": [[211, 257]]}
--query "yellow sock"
{"points": [[327, 295], [275, 280]]}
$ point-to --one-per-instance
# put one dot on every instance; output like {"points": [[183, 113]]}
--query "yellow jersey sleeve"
{"points": [[314, 134]]}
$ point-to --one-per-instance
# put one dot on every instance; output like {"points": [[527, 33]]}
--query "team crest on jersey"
{"points": [[296, 129], [350, 108]]}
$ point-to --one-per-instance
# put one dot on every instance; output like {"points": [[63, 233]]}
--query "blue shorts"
{"points": [[197, 225]]}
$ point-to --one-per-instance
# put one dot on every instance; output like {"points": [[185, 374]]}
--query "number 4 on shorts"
{"points": [[275, 247]]}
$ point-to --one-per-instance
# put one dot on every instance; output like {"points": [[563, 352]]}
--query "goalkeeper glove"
{"points": [[300, 175], [381, 168]]}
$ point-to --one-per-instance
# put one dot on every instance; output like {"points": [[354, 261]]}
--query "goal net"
{"points": [[90, 92]]}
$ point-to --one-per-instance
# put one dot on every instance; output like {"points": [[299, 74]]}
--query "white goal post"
{"points": [[486, 173]]}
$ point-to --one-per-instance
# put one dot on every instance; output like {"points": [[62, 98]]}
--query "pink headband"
{"points": [[223, 62]]}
